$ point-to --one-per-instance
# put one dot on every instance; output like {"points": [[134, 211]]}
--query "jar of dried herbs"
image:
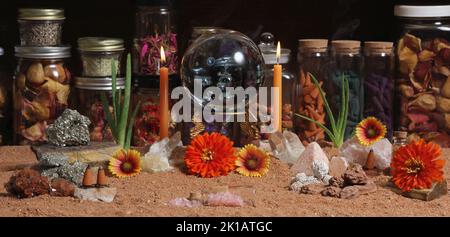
{"points": [[88, 102], [41, 91], [379, 62], [40, 27], [346, 61], [155, 28], [313, 58], [98, 54], [423, 72]]}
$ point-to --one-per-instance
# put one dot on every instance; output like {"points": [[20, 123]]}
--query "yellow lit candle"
{"points": [[277, 83], [163, 98]]}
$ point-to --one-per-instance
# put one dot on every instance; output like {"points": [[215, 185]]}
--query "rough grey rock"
{"points": [[301, 180], [320, 169], [69, 129], [56, 165], [96, 194]]}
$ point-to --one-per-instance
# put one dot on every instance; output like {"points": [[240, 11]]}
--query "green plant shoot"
{"points": [[337, 131]]}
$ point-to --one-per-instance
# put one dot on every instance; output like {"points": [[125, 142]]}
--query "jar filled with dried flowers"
{"points": [[97, 55], [379, 82], [423, 72], [88, 102], [40, 27], [313, 58], [346, 62], [41, 91], [155, 28]]}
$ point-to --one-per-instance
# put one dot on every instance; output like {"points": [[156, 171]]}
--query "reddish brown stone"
{"points": [[62, 188], [331, 191], [27, 183]]}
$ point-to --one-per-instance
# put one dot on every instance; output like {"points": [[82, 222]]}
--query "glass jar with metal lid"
{"points": [[269, 51], [41, 91], [98, 54], [346, 61], [88, 102], [379, 62], [313, 58], [423, 72], [40, 27]]}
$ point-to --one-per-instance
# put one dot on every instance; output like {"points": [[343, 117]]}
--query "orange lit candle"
{"points": [[277, 83], [163, 98]]}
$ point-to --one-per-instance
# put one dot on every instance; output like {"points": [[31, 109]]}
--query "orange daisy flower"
{"points": [[125, 163], [210, 155], [370, 131], [417, 166], [252, 161]]}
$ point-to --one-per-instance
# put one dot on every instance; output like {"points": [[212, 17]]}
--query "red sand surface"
{"points": [[148, 194]]}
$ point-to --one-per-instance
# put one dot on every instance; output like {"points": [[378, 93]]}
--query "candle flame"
{"points": [[278, 51], [163, 55]]}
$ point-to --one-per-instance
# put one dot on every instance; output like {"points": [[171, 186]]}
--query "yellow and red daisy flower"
{"points": [[370, 131], [417, 166], [252, 161], [125, 164], [210, 155]]}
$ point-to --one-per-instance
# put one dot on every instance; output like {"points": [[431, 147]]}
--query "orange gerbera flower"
{"points": [[210, 155], [369, 131], [417, 166], [125, 163], [252, 161]]}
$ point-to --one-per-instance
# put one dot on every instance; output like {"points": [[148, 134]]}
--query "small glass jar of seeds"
{"points": [[88, 102], [346, 61], [98, 54], [41, 91], [313, 58], [40, 27], [379, 61]]}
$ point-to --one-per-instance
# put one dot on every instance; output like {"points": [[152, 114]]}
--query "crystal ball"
{"points": [[222, 59]]}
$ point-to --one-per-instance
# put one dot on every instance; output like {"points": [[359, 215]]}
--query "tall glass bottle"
{"points": [[313, 58], [346, 62]]}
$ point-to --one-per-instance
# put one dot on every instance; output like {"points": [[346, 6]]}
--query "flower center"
{"points": [[252, 163], [371, 132], [207, 155], [127, 166], [413, 166]]}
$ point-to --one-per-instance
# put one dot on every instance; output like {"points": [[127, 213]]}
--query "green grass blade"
{"points": [[119, 102], [114, 88], [126, 104], [131, 125], [109, 117], [329, 133], [347, 102], [327, 106]]}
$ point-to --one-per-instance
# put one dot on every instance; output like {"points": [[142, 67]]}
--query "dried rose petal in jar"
{"points": [[41, 91]]}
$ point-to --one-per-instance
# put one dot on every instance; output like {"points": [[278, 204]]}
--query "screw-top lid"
{"points": [[41, 14], [42, 52], [100, 44], [103, 83], [378, 46], [269, 50], [422, 11], [316, 45]]}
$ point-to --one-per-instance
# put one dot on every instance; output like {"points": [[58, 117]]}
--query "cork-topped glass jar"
{"points": [[313, 58], [346, 61], [379, 61], [98, 54], [40, 27]]}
